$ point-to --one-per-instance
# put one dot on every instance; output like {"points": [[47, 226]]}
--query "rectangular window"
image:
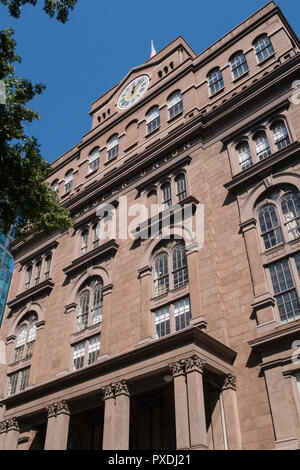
{"points": [[113, 152], [284, 291], [162, 322], [93, 349], [78, 355], [154, 124], [182, 313], [12, 384], [24, 378]]}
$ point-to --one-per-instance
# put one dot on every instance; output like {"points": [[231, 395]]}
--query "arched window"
{"points": [[68, 181], [270, 227], [166, 195], [153, 119], [37, 276], [181, 187], [94, 160], [112, 147], [215, 80], [238, 64], [262, 145], [84, 241], [47, 266], [25, 338], [28, 277], [55, 185], [161, 274], [175, 104], [244, 154], [263, 47], [290, 206], [281, 136], [90, 303], [179, 266]]}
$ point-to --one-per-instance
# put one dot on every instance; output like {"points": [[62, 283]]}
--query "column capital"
{"points": [[57, 408], [228, 382], [145, 271], [115, 389], [177, 368], [3, 427], [194, 364], [248, 225], [12, 425]]}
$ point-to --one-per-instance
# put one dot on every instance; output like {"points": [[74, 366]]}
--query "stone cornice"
{"points": [[281, 334], [263, 168], [152, 226], [105, 249], [30, 294], [190, 335]]}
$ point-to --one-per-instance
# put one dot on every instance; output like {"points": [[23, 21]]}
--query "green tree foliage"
{"points": [[60, 8], [26, 201]]}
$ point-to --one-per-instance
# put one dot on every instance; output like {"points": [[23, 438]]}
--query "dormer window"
{"points": [[263, 47], [175, 104], [112, 147], [94, 160], [153, 119]]}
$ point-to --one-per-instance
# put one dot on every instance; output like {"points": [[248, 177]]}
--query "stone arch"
{"points": [[92, 271], [31, 307], [247, 207]]}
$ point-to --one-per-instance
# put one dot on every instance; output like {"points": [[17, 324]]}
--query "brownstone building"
{"points": [[143, 342]]}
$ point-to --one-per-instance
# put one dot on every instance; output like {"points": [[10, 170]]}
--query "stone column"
{"points": [[116, 416], [292, 393], [2, 434], [146, 329], [195, 285], [263, 303], [194, 371], [281, 413], [232, 422], [181, 406], [106, 321], [12, 434], [57, 426]]}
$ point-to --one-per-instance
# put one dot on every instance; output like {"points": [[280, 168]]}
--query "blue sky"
{"points": [[101, 42]]}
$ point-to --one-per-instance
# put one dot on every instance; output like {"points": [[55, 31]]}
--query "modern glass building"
{"points": [[6, 269]]}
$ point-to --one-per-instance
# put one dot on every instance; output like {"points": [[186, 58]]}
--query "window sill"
{"points": [[216, 93], [111, 160], [169, 297], [92, 173], [174, 117], [244, 74], [86, 333], [265, 60]]}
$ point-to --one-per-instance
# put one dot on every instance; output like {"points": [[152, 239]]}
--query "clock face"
{"points": [[133, 92]]}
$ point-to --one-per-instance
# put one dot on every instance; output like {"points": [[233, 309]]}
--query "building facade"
{"points": [[168, 339], [6, 267]]}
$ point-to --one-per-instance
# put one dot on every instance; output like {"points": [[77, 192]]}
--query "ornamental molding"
{"points": [[57, 408], [9, 425], [185, 366], [228, 383], [34, 292], [115, 389]]}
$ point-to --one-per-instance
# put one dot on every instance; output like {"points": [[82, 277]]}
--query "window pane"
{"points": [[12, 384], [182, 313], [269, 225], [263, 48], [161, 274], [94, 349], [215, 81], [244, 154], [167, 197], [179, 265], [281, 137], [162, 322], [290, 206], [262, 146], [97, 305], [78, 355], [83, 311], [239, 65], [24, 379], [181, 187], [285, 292]]}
